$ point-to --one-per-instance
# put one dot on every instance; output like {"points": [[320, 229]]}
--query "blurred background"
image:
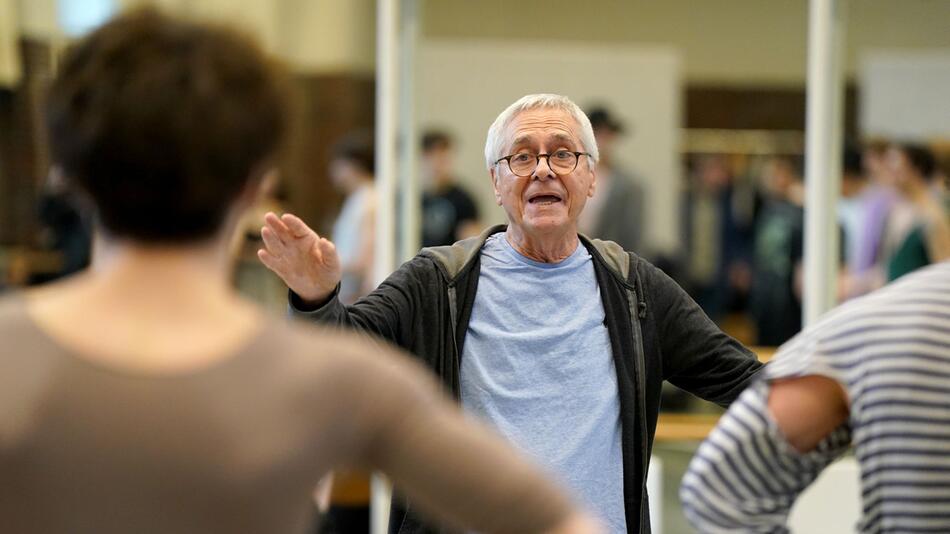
{"points": [[699, 108]]}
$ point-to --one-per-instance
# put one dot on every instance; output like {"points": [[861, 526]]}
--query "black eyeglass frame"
{"points": [[537, 161]]}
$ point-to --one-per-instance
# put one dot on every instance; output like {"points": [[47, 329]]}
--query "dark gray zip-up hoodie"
{"points": [[656, 333]]}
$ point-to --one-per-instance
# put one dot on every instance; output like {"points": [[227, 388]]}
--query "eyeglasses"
{"points": [[524, 163]]}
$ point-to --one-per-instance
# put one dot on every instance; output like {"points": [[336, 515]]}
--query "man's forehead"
{"points": [[543, 124], [527, 137]]}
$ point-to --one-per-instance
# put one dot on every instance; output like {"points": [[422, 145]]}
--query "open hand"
{"points": [[307, 263]]}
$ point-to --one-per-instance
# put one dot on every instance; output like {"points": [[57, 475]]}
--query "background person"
{"points": [[351, 171], [928, 237], [856, 194], [615, 212], [449, 212], [712, 236], [881, 224], [776, 293]]}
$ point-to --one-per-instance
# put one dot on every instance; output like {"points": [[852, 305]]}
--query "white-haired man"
{"points": [[560, 342]]}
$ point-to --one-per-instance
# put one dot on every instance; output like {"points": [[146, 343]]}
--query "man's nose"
{"points": [[545, 172]]}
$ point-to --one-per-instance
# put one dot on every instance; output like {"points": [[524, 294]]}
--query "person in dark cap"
{"points": [[615, 212]]}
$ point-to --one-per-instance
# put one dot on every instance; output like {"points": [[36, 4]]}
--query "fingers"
{"points": [[273, 243], [296, 226], [325, 246], [272, 221], [268, 260]]}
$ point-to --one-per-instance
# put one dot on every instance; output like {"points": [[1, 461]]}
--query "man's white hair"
{"points": [[494, 144]]}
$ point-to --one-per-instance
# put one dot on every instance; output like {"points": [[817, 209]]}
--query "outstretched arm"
{"points": [[310, 267], [697, 356]]}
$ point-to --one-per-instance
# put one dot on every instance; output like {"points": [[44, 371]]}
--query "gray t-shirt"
{"points": [[537, 365], [238, 446]]}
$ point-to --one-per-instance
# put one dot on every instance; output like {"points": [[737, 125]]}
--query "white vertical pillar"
{"points": [[381, 493], [384, 254], [410, 199], [822, 157], [387, 101]]}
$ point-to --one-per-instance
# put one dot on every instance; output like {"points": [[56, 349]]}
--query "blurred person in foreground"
{"points": [[616, 211], [559, 341], [144, 395], [449, 212], [872, 375], [928, 237]]}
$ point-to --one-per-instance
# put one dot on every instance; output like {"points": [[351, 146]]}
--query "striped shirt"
{"points": [[891, 353]]}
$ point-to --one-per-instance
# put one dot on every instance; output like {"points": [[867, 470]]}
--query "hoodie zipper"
{"points": [[453, 314], [636, 313]]}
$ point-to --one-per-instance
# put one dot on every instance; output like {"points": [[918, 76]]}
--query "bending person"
{"points": [[144, 395], [872, 374], [559, 341]]}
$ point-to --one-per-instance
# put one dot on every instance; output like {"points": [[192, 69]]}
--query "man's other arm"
{"points": [[697, 356]]}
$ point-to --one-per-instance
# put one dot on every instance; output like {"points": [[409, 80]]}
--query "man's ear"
{"points": [[593, 182], [494, 184]]}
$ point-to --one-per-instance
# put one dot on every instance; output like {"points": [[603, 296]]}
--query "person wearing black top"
{"points": [[448, 211]]}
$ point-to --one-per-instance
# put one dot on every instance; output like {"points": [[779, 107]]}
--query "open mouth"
{"points": [[544, 199]]}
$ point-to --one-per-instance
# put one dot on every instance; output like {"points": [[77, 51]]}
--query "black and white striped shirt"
{"points": [[891, 352]]}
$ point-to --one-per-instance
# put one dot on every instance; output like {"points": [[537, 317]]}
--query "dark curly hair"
{"points": [[162, 123]]}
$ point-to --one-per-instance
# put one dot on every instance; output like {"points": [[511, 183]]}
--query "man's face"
{"points": [[544, 201]]}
